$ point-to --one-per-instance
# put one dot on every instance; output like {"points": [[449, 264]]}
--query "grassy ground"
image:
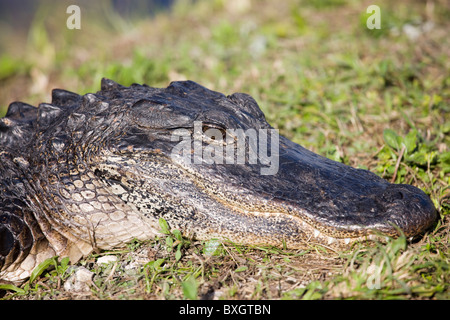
{"points": [[375, 99]]}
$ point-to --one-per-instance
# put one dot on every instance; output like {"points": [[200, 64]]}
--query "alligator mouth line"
{"points": [[323, 235], [316, 236], [326, 235]]}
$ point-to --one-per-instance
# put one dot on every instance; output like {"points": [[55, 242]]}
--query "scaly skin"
{"points": [[99, 170]]}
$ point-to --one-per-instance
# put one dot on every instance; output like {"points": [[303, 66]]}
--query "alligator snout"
{"points": [[408, 208], [345, 202]]}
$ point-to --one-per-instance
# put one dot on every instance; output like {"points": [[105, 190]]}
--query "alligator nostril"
{"points": [[409, 208], [396, 195], [393, 193]]}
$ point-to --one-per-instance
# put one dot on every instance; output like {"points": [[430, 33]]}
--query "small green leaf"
{"points": [[410, 141], [240, 269], [11, 287], [169, 243], [164, 226], [313, 291], [178, 253], [158, 263], [418, 158], [155, 264], [190, 288], [211, 247], [391, 138], [177, 234], [65, 262], [63, 265], [42, 267]]}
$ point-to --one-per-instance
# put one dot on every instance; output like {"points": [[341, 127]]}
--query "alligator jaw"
{"points": [[311, 199], [333, 200]]}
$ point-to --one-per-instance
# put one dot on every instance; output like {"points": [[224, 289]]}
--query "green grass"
{"points": [[373, 99]]}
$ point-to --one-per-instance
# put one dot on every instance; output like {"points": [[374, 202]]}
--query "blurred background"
{"points": [[319, 73]]}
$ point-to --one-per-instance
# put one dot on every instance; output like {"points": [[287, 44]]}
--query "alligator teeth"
{"points": [[316, 233], [347, 240], [331, 240]]}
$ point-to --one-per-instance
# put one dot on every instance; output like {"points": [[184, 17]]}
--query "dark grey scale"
{"points": [[16, 128], [47, 114], [75, 121], [64, 98], [16, 237]]}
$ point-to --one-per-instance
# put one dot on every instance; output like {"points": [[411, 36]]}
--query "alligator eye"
{"points": [[214, 132]]}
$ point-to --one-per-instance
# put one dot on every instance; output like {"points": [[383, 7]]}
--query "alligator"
{"points": [[97, 171]]}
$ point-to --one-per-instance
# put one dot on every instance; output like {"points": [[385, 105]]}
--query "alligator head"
{"points": [[99, 170], [213, 167]]}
